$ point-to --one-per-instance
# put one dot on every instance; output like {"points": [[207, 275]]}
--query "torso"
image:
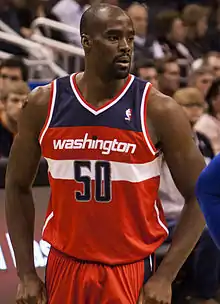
{"points": [[104, 173]]}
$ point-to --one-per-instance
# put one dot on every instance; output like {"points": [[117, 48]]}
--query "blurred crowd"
{"points": [[177, 49]]}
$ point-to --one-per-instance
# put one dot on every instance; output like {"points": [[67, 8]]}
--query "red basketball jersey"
{"points": [[104, 174]]}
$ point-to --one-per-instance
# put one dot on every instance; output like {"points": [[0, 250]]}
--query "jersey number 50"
{"points": [[102, 181]]}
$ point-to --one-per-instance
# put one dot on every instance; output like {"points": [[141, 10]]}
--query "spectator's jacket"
{"points": [[6, 139]]}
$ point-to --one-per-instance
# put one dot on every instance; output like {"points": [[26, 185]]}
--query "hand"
{"points": [[156, 291], [31, 290]]}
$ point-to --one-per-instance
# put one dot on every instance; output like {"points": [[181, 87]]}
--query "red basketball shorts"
{"points": [[69, 281]]}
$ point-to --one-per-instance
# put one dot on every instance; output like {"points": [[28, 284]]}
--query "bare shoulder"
{"points": [[161, 104], [174, 133], [35, 109], [166, 116], [40, 96]]}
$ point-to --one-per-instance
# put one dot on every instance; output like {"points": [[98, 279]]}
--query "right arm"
{"points": [[208, 195], [22, 168]]}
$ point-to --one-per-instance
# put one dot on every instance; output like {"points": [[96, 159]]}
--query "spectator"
{"points": [[193, 104], [171, 36], [24, 16], [169, 76], [142, 41], [214, 30], [205, 258], [213, 60], [209, 123], [146, 70], [43, 10], [195, 18], [12, 70], [13, 97], [201, 78], [9, 16]]}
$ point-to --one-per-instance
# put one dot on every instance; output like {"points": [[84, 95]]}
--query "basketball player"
{"points": [[208, 194], [102, 132]]}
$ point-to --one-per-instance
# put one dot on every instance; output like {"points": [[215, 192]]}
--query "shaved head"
{"points": [[96, 14], [107, 36]]}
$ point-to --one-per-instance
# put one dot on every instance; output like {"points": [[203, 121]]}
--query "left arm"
{"points": [[185, 163], [172, 130]]}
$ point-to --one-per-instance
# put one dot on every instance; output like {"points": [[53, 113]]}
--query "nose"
{"points": [[20, 104], [124, 45]]}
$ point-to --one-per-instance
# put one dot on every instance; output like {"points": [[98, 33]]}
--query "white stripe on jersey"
{"points": [[134, 173]]}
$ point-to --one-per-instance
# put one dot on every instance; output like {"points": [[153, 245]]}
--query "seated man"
{"points": [[206, 257], [146, 70], [13, 98]]}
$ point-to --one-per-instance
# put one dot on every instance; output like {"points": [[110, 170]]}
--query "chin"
{"points": [[121, 74]]}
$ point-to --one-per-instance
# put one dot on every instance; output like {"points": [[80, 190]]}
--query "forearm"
{"points": [[20, 215], [186, 235]]}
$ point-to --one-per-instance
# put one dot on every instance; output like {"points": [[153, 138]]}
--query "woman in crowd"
{"points": [[209, 123]]}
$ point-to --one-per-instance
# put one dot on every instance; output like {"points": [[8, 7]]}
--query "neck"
{"points": [[10, 124], [97, 90]]}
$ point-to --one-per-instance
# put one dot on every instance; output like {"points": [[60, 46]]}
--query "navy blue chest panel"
{"points": [[69, 112]]}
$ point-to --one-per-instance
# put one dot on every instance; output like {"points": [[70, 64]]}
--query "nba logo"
{"points": [[128, 114]]}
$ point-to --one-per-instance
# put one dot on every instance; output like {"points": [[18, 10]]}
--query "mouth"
{"points": [[123, 59], [123, 62]]}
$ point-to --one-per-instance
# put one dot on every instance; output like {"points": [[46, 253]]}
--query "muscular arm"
{"points": [[22, 167], [208, 194], [185, 163]]}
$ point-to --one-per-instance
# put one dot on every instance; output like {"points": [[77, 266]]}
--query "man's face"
{"points": [[214, 62], [13, 105], [112, 47], [149, 74], [171, 77], [202, 26], [139, 17], [204, 82], [178, 31], [9, 76]]}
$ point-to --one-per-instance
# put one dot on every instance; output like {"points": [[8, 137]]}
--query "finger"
{"points": [[33, 300], [42, 299], [141, 297], [21, 301]]}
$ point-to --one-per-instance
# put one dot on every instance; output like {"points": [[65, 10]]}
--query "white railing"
{"points": [[58, 46], [33, 48], [56, 25], [65, 50], [42, 55], [5, 28], [4, 55], [41, 47]]}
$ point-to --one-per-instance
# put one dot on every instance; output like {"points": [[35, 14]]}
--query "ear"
{"points": [[86, 41]]}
